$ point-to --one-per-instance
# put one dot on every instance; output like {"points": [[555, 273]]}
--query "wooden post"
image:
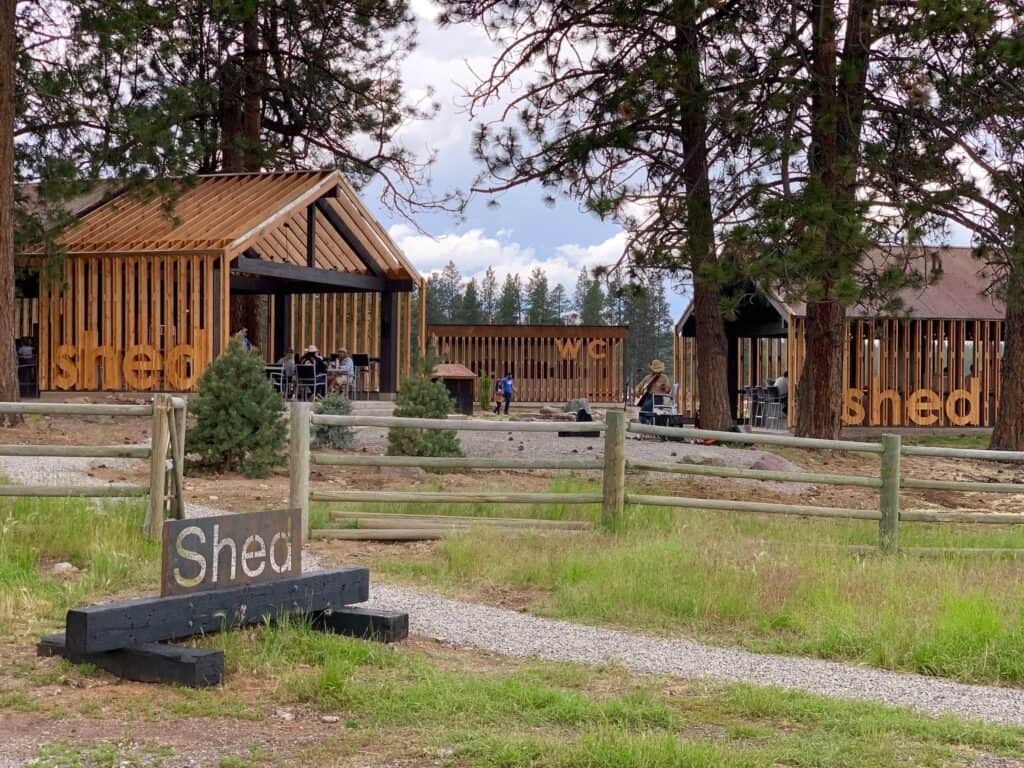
{"points": [[298, 463], [614, 468], [889, 496], [157, 467], [177, 417]]}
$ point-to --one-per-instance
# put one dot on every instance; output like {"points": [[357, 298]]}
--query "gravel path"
{"points": [[510, 633]]}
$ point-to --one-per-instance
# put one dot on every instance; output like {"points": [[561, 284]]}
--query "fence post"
{"points": [[298, 463], [614, 468], [153, 525], [889, 496]]}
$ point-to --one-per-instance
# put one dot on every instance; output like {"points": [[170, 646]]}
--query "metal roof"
{"points": [[452, 371], [237, 213], [959, 292]]}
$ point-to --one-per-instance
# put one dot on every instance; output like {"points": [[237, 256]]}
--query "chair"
{"points": [[277, 378], [770, 413], [310, 384]]}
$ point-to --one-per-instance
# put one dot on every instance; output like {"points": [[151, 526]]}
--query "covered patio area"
{"points": [[145, 296]]}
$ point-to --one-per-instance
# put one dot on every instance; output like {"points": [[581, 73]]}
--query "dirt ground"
{"points": [[67, 706]]}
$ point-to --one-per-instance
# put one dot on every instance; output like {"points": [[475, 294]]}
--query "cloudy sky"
{"points": [[521, 232]]}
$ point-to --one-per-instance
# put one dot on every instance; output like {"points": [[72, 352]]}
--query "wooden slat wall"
{"points": [[910, 354], [109, 305], [541, 372], [350, 321], [26, 316]]}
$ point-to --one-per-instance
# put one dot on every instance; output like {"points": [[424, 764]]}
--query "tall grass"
{"points": [[787, 585], [563, 715], [104, 541]]}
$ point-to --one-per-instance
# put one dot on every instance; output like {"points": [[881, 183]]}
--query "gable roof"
{"points": [[263, 213], [959, 292]]}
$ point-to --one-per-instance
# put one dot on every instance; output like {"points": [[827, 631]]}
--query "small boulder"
{"points": [[63, 569], [550, 410], [576, 404], [772, 463]]}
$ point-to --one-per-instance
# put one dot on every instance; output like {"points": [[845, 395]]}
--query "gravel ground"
{"points": [[467, 625]]}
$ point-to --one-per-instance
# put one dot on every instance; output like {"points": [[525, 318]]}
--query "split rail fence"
{"points": [[165, 451], [614, 467]]}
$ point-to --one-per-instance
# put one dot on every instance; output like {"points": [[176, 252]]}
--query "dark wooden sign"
{"points": [[207, 553]]}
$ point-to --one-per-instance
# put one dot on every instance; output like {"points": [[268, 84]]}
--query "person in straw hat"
{"points": [[654, 383]]}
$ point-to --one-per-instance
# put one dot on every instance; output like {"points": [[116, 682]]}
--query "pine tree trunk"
{"points": [[8, 358], [819, 393], [241, 141], [712, 343], [1008, 430], [712, 358]]}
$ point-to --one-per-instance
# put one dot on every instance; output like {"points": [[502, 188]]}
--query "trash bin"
{"points": [[460, 383]]}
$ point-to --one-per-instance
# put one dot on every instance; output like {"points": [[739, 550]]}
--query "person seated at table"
{"points": [[345, 373], [654, 383], [782, 387], [312, 357]]}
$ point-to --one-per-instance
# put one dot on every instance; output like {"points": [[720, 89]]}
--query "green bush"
{"points": [[424, 399], [238, 416], [325, 436], [486, 392]]}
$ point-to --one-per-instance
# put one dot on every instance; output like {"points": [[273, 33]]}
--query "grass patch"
{"points": [[320, 512], [767, 583], [548, 714], [103, 540], [976, 439]]}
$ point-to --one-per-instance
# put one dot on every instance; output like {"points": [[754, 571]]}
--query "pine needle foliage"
{"points": [[423, 399], [327, 436], [238, 416]]}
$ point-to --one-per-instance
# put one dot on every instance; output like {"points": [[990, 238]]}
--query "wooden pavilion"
{"points": [[143, 299], [938, 363], [550, 363]]}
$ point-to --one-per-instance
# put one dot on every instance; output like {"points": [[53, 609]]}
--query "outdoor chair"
{"points": [[277, 378], [769, 410], [311, 384]]}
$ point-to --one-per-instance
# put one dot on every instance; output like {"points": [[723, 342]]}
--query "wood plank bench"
{"points": [[129, 637]]}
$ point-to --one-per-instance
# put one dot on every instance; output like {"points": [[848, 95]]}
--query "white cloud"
{"points": [[473, 251]]}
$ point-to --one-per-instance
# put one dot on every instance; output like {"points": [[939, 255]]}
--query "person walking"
{"points": [[505, 388]]}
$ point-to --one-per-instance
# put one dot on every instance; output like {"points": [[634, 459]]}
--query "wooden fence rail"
{"points": [[614, 467], [165, 452]]}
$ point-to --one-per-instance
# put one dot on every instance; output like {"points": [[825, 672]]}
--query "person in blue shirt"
{"points": [[506, 388]]}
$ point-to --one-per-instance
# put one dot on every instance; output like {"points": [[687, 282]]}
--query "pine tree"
{"points": [[589, 300], [489, 295], [238, 416], [470, 310], [451, 292], [537, 302], [422, 398], [559, 305], [509, 310]]}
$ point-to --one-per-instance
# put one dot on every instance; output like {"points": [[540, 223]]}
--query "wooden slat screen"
{"points": [[142, 323], [549, 364]]}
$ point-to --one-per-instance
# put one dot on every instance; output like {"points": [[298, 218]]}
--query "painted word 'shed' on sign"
{"points": [[229, 550]]}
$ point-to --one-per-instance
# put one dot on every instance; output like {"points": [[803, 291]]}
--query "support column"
{"points": [[282, 331], [388, 342], [733, 372]]}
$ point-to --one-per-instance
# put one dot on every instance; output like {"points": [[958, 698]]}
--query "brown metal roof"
{"points": [[235, 213], [958, 293], [452, 371]]}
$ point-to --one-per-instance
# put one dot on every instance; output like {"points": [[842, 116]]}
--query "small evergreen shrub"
{"points": [[425, 399], [486, 392], [238, 416], [326, 436]]}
